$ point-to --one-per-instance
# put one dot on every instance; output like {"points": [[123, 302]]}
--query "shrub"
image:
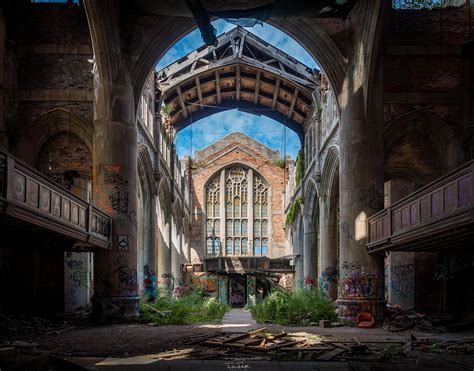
{"points": [[190, 308], [297, 307]]}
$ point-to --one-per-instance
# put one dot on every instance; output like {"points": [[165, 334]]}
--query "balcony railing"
{"points": [[29, 195], [439, 215]]}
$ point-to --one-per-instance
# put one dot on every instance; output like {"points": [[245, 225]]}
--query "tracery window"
{"points": [[240, 186], [236, 191], [213, 217], [260, 214]]}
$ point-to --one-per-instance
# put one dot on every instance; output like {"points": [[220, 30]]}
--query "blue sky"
{"points": [[214, 127]]}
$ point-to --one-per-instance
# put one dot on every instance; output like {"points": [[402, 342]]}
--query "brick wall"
{"points": [[52, 47], [422, 65], [237, 152], [67, 152]]}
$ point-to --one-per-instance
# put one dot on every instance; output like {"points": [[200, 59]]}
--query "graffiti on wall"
{"points": [[149, 283], [251, 290], [358, 286], [126, 275], [352, 309], [328, 277], [76, 285], [223, 289], [402, 280]]}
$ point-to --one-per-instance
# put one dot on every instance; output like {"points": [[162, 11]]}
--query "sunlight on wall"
{"points": [[360, 226]]}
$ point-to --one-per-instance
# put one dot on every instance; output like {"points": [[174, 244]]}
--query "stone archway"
{"points": [[329, 206], [125, 51]]}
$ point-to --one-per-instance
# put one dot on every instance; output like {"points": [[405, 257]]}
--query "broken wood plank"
{"points": [[154, 309], [304, 349], [236, 337], [278, 336], [257, 331], [285, 344], [331, 354]]}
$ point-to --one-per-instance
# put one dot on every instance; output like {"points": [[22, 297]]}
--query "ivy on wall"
{"points": [[299, 168], [293, 211]]}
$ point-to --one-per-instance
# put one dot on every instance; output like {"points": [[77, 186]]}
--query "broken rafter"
{"points": [[293, 102], [275, 93], [237, 82], [218, 87], [199, 92], [257, 86], [181, 102]]}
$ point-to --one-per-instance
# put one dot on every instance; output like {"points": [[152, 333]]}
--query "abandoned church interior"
{"points": [[129, 229]]}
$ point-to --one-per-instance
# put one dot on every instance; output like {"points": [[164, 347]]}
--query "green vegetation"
{"points": [[191, 308], [299, 168], [298, 307], [294, 209], [166, 109], [281, 163]]}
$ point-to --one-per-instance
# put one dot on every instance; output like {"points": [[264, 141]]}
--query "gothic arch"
{"points": [[145, 170], [330, 172], [164, 199], [433, 129], [56, 121], [232, 164], [311, 198]]}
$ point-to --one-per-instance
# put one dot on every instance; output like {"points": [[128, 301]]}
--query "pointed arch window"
{"points": [[242, 224], [213, 217], [260, 214]]}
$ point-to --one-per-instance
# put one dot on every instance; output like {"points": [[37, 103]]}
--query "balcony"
{"points": [[437, 216], [29, 196]]}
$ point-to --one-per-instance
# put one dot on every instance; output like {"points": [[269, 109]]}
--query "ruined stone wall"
{"points": [[236, 152], [423, 65], [53, 49]]}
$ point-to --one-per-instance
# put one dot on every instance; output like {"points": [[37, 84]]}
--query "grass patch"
{"points": [[191, 308], [298, 307]]}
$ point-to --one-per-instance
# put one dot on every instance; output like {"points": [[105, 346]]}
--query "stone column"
{"points": [[222, 214], [360, 288], [297, 242], [309, 264], [328, 251], [250, 250], [164, 253], [115, 192], [176, 253]]}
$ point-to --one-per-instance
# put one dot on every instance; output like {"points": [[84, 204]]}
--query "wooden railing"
{"points": [[27, 194], [440, 213]]}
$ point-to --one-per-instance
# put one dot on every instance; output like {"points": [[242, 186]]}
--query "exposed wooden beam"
{"points": [[282, 67], [237, 82], [270, 61], [199, 92], [193, 66], [293, 102], [181, 102], [275, 93], [257, 87], [218, 87], [241, 46]]}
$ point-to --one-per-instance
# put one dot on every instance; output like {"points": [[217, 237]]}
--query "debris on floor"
{"points": [[401, 320], [298, 347]]}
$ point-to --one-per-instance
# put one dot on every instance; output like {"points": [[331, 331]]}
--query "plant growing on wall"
{"points": [[299, 168], [167, 120], [294, 209]]}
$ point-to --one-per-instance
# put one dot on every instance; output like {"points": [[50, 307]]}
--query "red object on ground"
{"points": [[365, 320]]}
